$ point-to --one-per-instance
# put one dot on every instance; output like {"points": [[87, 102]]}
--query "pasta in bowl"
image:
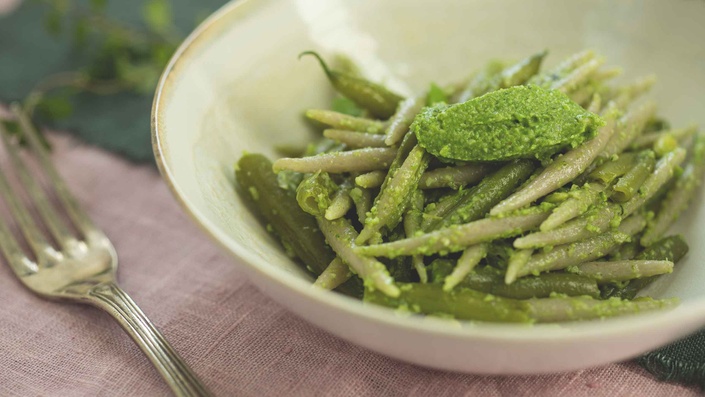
{"points": [[224, 94]]}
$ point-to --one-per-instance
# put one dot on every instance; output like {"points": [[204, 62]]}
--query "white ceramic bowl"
{"points": [[236, 84]]}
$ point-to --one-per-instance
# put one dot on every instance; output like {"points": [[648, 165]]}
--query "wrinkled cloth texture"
{"points": [[239, 341]]}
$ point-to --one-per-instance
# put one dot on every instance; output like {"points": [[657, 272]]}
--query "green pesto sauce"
{"points": [[517, 122]]}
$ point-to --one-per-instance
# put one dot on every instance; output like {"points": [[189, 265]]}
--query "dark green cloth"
{"points": [[119, 123]]}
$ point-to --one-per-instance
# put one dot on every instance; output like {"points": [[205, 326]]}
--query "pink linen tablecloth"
{"points": [[240, 342]]}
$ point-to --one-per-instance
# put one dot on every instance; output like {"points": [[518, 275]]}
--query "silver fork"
{"points": [[79, 268]]}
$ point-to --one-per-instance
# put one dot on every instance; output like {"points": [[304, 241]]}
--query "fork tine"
{"points": [[12, 252], [56, 226], [81, 220], [33, 235]]}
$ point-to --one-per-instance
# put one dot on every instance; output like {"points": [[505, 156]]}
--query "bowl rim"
{"points": [[561, 332]]}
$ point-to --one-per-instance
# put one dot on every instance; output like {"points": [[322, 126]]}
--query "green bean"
{"points": [[363, 202], [454, 177], [334, 275], [342, 121], [412, 225], [564, 68], [340, 203], [606, 74], [586, 250], [664, 145], [627, 186], [517, 261], [679, 134], [550, 310], [561, 171], [359, 160], [355, 139], [457, 238], [490, 281], [440, 269], [584, 93], [393, 199], [474, 203], [315, 193], [402, 119], [595, 104], [460, 303], [579, 201], [629, 127], [617, 271], [678, 197], [626, 251], [340, 235], [486, 81], [611, 170], [601, 217], [296, 229], [578, 76], [627, 94], [672, 248], [520, 72], [470, 258], [371, 96], [370, 180]]}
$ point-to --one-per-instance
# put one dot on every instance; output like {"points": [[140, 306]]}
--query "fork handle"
{"points": [[111, 298]]}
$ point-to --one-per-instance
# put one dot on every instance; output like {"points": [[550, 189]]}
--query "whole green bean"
{"points": [[334, 275], [517, 261], [561, 171], [578, 76], [455, 177], [363, 202], [586, 250], [457, 238], [520, 72], [460, 303], [627, 186], [355, 139], [412, 225], [474, 203], [616, 271], [470, 258], [346, 122], [402, 119], [359, 160], [371, 96], [341, 202], [340, 235], [678, 197], [629, 127], [578, 202], [548, 78], [491, 281], [550, 310], [611, 170], [296, 229]]}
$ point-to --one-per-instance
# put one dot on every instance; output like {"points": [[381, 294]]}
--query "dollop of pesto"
{"points": [[517, 122]]}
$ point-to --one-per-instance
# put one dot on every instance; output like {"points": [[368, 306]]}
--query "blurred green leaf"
{"points": [[55, 107], [80, 32], [53, 22], [98, 5], [346, 106], [157, 15]]}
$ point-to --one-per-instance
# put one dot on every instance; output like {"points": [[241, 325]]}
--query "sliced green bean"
{"points": [[628, 185], [629, 127], [296, 229], [355, 139], [460, 303], [617, 271], [455, 177], [412, 225], [586, 250], [340, 235], [517, 261], [579, 201], [561, 171], [315, 193], [473, 204], [340, 203], [678, 198], [679, 134], [377, 99], [363, 202], [393, 199], [334, 275], [342, 121], [672, 248], [402, 119], [457, 238], [551, 310], [470, 258], [611, 170], [359, 160], [491, 281]]}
